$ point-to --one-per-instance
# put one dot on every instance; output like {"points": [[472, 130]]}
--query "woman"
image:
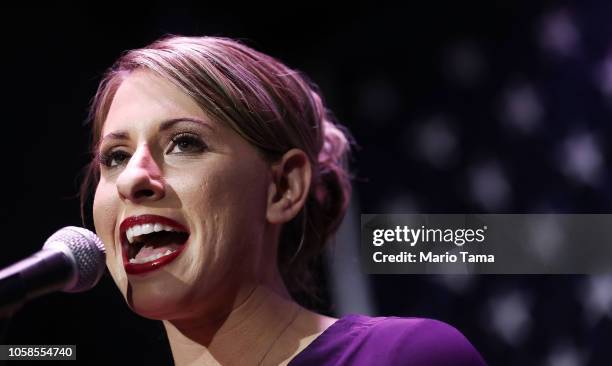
{"points": [[219, 175]]}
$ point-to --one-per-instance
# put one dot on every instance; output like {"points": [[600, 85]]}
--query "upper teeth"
{"points": [[144, 229]]}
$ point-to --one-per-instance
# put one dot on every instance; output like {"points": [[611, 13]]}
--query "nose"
{"points": [[141, 180]]}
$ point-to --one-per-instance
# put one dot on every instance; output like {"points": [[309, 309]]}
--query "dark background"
{"points": [[483, 107]]}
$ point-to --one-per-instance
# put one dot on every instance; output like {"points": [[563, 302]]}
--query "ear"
{"points": [[289, 186]]}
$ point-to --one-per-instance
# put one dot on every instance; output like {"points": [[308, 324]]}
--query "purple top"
{"points": [[360, 340]]}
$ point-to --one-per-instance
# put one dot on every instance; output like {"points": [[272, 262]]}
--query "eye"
{"points": [[186, 143], [113, 158]]}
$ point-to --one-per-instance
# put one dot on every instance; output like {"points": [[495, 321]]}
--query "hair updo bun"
{"points": [[325, 207], [271, 106], [332, 166]]}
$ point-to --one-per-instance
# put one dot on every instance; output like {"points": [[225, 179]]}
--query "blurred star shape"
{"points": [[464, 63], [566, 354], [509, 317], [581, 159], [435, 142], [558, 33], [489, 186], [597, 298], [521, 108]]}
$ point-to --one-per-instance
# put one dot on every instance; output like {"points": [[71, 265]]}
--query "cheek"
{"points": [[238, 198], [105, 217], [104, 214], [229, 204]]}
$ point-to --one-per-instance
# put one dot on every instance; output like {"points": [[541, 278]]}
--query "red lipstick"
{"points": [[139, 268]]}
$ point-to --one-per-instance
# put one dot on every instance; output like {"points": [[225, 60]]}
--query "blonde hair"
{"points": [[272, 107]]}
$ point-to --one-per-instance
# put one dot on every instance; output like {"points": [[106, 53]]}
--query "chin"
{"points": [[155, 296], [155, 302], [159, 311]]}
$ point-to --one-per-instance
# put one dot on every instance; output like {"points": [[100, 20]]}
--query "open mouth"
{"points": [[150, 241]]}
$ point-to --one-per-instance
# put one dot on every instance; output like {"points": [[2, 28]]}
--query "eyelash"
{"points": [[106, 158]]}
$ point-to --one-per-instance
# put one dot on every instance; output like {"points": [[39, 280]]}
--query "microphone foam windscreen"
{"points": [[87, 251]]}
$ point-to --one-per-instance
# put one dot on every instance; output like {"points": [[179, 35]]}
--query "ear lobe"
{"points": [[289, 186]]}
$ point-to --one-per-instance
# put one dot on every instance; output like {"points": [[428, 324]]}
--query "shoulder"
{"points": [[422, 341], [394, 341]]}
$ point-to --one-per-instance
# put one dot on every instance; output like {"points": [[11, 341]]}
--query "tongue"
{"points": [[148, 251], [160, 242]]}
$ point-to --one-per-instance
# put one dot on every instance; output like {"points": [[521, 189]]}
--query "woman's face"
{"points": [[167, 166]]}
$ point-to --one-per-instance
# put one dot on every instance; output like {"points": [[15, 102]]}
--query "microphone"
{"points": [[71, 260]]}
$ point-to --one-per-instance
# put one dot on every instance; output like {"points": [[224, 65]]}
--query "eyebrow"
{"points": [[165, 125], [171, 122]]}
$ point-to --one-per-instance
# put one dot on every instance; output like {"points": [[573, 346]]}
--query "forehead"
{"points": [[145, 98]]}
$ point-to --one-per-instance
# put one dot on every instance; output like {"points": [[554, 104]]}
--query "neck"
{"points": [[245, 336]]}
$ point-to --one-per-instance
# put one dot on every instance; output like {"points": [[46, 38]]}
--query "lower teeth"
{"points": [[151, 257]]}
